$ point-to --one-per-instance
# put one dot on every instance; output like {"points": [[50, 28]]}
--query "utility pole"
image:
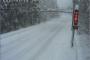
{"points": [[75, 16]]}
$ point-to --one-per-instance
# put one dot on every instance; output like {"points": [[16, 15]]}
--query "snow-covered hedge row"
{"points": [[15, 15]]}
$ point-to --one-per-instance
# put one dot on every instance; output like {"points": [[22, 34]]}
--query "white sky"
{"points": [[63, 4]]}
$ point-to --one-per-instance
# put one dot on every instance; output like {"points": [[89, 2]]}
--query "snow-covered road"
{"points": [[47, 41]]}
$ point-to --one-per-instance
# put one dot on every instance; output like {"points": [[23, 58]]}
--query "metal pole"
{"points": [[72, 41], [73, 31]]}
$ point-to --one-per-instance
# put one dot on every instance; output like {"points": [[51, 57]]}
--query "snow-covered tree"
{"points": [[15, 15], [84, 16]]}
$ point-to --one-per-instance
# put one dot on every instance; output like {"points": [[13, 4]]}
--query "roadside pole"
{"points": [[75, 16]]}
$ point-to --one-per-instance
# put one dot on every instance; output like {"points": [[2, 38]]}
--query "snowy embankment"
{"points": [[47, 41], [82, 42]]}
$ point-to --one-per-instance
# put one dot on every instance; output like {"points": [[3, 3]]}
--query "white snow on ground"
{"points": [[82, 46], [47, 41]]}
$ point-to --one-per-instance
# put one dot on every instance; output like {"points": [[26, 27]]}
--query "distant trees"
{"points": [[46, 5], [15, 15]]}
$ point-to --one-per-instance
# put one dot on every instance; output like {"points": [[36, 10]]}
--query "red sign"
{"points": [[76, 15]]}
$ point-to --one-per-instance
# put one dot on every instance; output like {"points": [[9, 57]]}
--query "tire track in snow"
{"points": [[45, 45], [39, 42], [13, 44], [40, 38], [9, 40]]}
